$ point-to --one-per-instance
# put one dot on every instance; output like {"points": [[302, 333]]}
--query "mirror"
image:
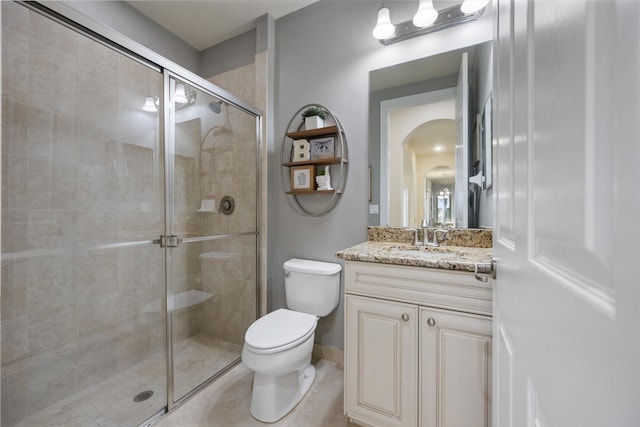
{"points": [[420, 166]]}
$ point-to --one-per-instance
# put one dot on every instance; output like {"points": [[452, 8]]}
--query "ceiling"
{"points": [[433, 137], [205, 23]]}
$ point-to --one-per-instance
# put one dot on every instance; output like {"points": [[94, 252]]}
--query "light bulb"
{"points": [[384, 28], [150, 104], [426, 14], [470, 6], [180, 96]]}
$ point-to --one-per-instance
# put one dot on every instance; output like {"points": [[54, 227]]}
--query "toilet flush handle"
{"points": [[287, 274]]}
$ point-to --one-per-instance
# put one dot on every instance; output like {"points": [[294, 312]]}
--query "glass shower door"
{"points": [[213, 214], [83, 283]]}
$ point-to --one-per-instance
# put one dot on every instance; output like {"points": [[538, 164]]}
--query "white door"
{"points": [[461, 197], [566, 224]]}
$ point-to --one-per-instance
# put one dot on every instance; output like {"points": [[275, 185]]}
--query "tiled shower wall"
{"points": [[81, 167], [225, 165]]}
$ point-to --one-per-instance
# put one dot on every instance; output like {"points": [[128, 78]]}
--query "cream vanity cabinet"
{"points": [[417, 347]]}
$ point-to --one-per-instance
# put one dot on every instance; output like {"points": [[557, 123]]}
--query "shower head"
{"points": [[215, 106]]}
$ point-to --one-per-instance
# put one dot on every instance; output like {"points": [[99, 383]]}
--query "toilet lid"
{"points": [[279, 328]]}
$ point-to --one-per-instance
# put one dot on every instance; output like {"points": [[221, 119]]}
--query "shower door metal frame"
{"points": [[169, 132], [75, 20]]}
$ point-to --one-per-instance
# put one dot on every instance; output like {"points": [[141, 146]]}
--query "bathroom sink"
{"points": [[407, 253], [425, 253], [432, 251]]}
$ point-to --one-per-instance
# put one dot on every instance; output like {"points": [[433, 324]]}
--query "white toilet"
{"points": [[278, 346]]}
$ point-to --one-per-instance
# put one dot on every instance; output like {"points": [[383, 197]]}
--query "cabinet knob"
{"points": [[405, 316], [431, 321]]}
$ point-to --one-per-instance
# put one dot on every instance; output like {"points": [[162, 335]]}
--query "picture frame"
{"points": [[322, 148], [303, 178]]}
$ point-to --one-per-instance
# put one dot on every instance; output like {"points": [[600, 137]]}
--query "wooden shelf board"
{"points": [[300, 192], [313, 132], [330, 161]]}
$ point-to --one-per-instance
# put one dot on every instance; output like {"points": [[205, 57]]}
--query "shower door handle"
{"points": [[170, 241]]}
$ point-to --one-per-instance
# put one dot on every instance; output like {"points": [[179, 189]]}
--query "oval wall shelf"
{"points": [[304, 153]]}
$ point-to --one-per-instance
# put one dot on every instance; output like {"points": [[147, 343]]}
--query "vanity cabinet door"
{"points": [[381, 372], [455, 369]]}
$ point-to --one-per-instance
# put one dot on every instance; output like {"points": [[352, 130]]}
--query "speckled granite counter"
{"points": [[389, 245], [470, 237]]}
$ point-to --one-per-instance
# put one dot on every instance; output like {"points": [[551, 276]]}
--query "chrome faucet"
{"points": [[425, 240], [416, 241], [434, 242]]}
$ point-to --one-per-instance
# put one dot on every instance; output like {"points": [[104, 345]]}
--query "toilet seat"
{"points": [[279, 331]]}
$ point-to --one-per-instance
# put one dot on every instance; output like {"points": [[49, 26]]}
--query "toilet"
{"points": [[278, 346]]}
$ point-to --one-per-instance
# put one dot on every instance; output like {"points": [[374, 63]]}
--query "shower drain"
{"points": [[143, 395]]}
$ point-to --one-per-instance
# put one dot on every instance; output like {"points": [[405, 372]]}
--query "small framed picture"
{"points": [[303, 178], [322, 148]]}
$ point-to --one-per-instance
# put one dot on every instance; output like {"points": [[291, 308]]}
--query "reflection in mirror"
{"points": [[413, 132], [438, 193]]}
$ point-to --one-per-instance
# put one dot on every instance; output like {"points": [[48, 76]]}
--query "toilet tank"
{"points": [[312, 286]]}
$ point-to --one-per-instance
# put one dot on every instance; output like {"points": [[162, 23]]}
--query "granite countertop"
{"points": [[459, 249], [443, 257]]}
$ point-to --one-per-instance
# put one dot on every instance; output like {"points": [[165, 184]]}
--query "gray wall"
{"points": [[123, 18], [228, 55], [324, 53]]}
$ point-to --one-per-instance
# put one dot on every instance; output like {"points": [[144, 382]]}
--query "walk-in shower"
{"points": [[125, 286]]}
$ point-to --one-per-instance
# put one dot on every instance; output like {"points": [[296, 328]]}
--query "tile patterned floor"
{"points": [[226, 402], [110, 403]]}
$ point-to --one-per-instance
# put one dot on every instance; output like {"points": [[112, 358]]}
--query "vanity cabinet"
{"points": [[381, 361], [417, 347]]}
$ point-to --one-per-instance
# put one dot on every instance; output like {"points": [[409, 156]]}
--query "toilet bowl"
{"points": [[282, 364], [278, 346]]}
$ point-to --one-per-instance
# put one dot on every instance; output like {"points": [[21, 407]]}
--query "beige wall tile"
{"points": [[51, 229], [52, 380], [15, 121], [14, 344], [51, 283], [13, 289], [52, 330], [14, 397], [97, 275]]}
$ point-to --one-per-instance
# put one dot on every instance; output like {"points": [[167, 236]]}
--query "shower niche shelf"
{"points": [[311, 201]]}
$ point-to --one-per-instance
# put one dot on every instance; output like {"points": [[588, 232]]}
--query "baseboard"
{"points": [[327, 352]]}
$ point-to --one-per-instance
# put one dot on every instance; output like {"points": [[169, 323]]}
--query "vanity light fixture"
{"points": [[384, 28], [180, 96], [426, 14], [470, 6], [426, 20], [151, 104], [183, 96]]}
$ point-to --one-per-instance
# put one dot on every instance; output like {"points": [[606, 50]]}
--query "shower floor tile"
{"points": [[110, 402]]}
